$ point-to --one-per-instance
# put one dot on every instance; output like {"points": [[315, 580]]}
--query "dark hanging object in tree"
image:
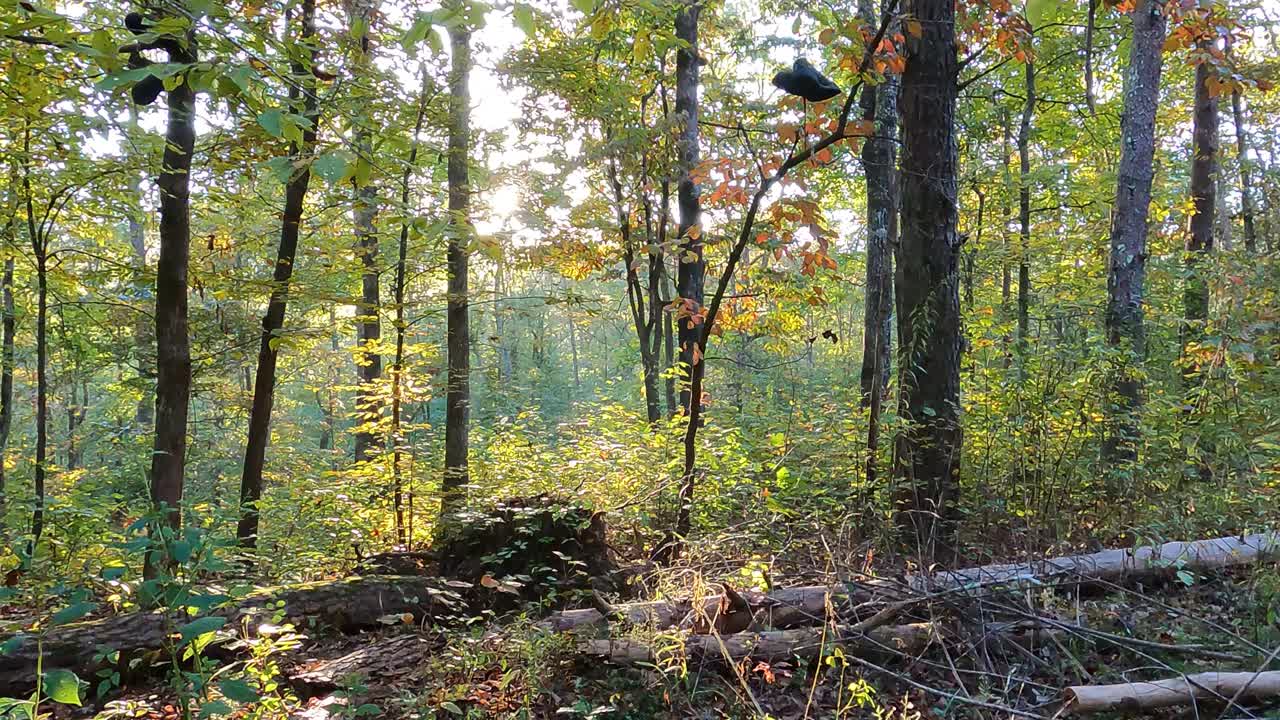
{"points": [[803, 79], [146, 90], [136, 23]]}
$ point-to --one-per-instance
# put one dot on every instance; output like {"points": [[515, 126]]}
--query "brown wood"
{"points": [[458, 394], [345, 605]]}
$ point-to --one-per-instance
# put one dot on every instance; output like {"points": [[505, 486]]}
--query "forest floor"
{"points": [[1130, 631]]}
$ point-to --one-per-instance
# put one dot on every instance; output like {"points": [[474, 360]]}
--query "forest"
{"points": [[775, 359]]}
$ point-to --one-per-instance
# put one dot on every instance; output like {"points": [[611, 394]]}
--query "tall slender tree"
{"points": [[879, 162], [927, 453], [369, 315], [1200, 241], [173, 343], [458, 394], [1127, 271], [692, 272], [302, 96], [9, 326]]}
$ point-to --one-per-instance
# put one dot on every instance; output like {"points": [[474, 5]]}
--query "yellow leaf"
{"points": [[914, 29]]}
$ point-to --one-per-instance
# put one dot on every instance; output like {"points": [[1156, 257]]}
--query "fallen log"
{"points": [[771, 645], [1114, 565], [1219, 687], [347, 604], [790, 607], [793, 607]]}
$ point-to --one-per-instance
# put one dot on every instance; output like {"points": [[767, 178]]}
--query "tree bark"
{"points": [[369, 316], [927, 454], [1199, 245], [1024, 216], [692, 271], [264, 383], [9, 326], [879, 160], [1127, 271], [40, 251], [458, 396], [173, 344]]}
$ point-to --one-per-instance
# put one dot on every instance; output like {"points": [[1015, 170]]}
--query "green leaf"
{"points": [[586, 7], [1041, 12], [238, 690], [62, 686], [200, 626], [13, 644], [72, 613], [522, 15], [215, 707], [331, 166], [273, 122], [452, 708]]}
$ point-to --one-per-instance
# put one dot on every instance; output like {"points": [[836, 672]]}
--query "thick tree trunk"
{"points": [[928, 450], [264, 384], [1127, 272], [1247, 209], [692, 272], [458, 396], [173, 345]]}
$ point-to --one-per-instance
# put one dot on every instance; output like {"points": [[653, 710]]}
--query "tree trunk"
{"points": [[369, 320], [691, 275], [40, 252], [927, 454], [1089, 29], [264, 383], [9, 325], [1127, 272], [879, 160], [1199, 246], [403, 532], [692, 271], [638, 302], [1246, 179], [1024, 217], [173, 345], [1006, 277], [458, 397]]}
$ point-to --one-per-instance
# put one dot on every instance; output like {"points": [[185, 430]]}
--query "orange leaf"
{"points": [[914, 28]]}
